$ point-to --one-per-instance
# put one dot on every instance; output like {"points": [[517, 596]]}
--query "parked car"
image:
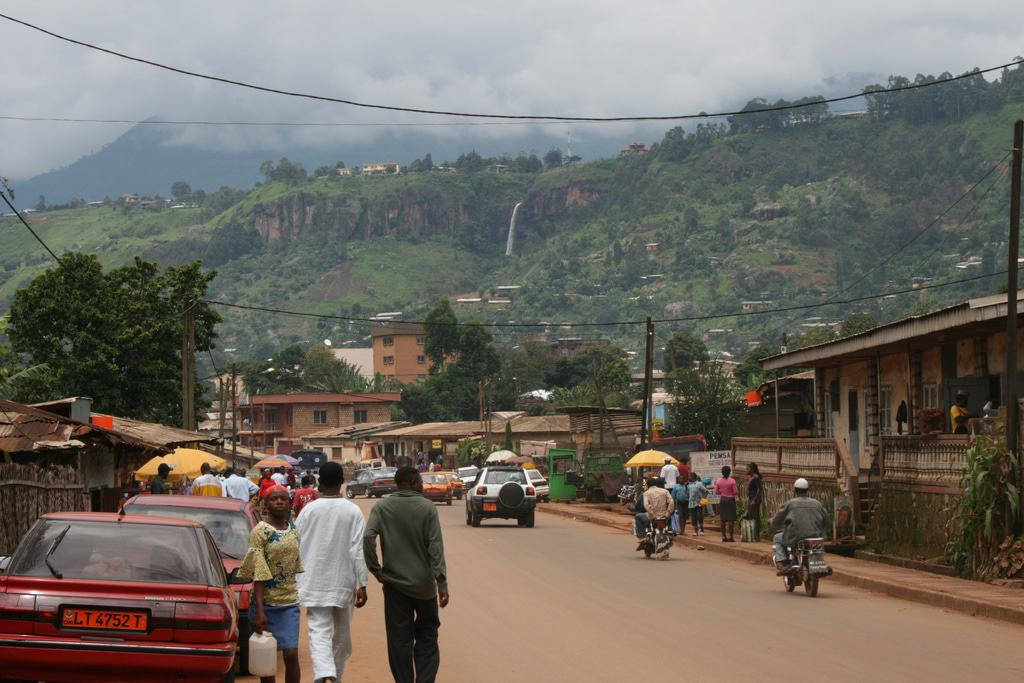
{"points": [[540, 484], [229, 521], [503, 492], [456, 484], [372, 482], [91, 596], [437, 487], [467, 475]]}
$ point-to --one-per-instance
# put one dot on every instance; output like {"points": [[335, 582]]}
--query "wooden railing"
{"points": [[816, 458], [939, 459]]}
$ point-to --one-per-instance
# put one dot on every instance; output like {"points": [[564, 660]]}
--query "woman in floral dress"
{"points": [[272, 562]]}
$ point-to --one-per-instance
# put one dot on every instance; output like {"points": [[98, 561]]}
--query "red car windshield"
{"points": [[230, 528], [111, 552]]}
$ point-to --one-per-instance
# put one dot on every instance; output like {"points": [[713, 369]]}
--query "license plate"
{"points": [[104, 619], [490, 507]]}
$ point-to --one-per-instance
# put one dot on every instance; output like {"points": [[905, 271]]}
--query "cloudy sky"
{"points": [[539, 57]]}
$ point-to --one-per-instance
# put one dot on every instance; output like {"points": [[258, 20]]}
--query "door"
{"points": [[853, 424]]}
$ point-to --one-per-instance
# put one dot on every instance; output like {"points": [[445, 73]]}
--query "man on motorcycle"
{"points": [[801, 517], [658, 504]]}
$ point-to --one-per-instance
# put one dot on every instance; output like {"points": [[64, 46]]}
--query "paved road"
{"points": [[572, 601]]}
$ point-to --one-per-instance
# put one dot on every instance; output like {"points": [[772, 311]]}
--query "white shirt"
{"points": [[331, 547], [239, 487], [280, 478], [670, 473]]}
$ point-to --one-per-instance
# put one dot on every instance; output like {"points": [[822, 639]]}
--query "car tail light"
{"points": [[15, 607], [481, 490], [206, 622], [530, 491]]}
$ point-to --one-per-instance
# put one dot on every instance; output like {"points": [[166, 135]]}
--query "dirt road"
{"points": [[571, 601]]}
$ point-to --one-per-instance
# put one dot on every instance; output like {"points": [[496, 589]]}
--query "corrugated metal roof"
{"points": [[313, 397], [158, 433], [27, 429], [354, 429], [974, 312]]}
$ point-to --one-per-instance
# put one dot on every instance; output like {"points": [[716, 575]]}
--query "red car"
{"points": [[229, 521], [91, 596]]}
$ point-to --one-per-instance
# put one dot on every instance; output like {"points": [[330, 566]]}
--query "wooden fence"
{"points": [[28, 491]]}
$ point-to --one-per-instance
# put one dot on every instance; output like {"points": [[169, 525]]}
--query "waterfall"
{"points": [[512, 230]]}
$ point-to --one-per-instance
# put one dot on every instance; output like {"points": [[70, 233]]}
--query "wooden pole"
{"points": [[188, 367], [234, 415], [648, 384], [222, 396], [1012, 404]]}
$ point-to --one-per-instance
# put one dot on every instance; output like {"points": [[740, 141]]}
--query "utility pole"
{"points": [[1012, 404], [648, 383], [223, 398], [234, 415], [188, 367]]}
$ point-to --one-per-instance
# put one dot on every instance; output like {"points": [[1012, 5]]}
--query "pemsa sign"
{"points": [[709, 464]]}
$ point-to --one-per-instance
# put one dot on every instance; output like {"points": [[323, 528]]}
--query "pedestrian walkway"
{"points": [[969, 597]]}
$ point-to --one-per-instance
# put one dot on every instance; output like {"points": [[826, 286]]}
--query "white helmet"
{"points": [[668, 459], [801, 484]]}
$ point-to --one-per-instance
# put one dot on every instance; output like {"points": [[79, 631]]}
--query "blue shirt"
{"points": [[679, 493]]}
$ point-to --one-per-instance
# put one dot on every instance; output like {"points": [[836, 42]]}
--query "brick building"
{"points": [[398, 351], [276, 423]]}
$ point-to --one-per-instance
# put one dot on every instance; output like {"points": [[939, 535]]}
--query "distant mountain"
{"points": [[144, 161]]}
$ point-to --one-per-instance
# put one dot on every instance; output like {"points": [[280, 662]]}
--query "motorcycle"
{"points": [[627, 494], [656, 542], [807, 565]]}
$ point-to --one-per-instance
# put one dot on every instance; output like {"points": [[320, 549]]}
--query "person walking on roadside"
{"points": [[669, 473], [266, 483], [279, 477], [684, 469], [413, 574], [207, 483], [159, 483], [695, 492], [304, 495], [236, 486], [728, 490], [755, 497], [333, 584], [272, 562], [680, 496]]}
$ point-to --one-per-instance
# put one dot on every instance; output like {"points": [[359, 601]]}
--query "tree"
{"points": [[477, 359], [749, 373], [444, 396], [114, 336], [181, 191], [322, 371], [683, 350], [442, 334], [553, 158], [707, 401], [41, 204], [279, 374], [607, 373], [855, 323]]}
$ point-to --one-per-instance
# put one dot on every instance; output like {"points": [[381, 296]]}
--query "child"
{"points": [[694, 492], [679, 494]]}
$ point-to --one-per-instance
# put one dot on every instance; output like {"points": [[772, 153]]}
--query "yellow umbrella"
{"points": [[183, 462], [650, 459]]}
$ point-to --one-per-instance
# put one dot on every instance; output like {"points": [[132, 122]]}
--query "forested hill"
{"points": [[784, 207]]}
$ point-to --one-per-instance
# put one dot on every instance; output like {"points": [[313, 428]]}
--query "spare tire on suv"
{"points": [[511, 494]]}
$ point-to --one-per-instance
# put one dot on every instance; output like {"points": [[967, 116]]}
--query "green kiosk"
{"points": [[560, 463]]}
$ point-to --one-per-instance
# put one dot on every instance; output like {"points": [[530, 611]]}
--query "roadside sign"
{"points": [[436, 445], [709, 464]]}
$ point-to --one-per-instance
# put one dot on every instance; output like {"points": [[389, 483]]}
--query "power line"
{"points": [[713, 316], [293, 124], [528, 117], [25, 223]]}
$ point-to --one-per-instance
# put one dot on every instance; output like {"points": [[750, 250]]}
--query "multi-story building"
{"points": [[276, 423], [399, 351]]}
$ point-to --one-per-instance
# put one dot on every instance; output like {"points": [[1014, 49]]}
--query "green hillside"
{"points": [[788, 212]]}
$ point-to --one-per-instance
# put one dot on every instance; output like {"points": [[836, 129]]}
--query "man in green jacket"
{"points": [[413, 574]]}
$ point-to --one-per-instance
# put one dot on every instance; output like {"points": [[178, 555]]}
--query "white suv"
{"points": [[540, 484], [504, 492]]}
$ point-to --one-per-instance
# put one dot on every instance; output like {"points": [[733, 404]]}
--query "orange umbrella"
{"points": [[273, 462]]}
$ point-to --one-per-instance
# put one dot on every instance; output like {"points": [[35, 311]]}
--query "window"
{"points": [[388, 341], [421, 341], [422, 360], [389, 360], [930, 395], [319, 417], [359, 415], [272, 419], [288, 415], [885, 409]]}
